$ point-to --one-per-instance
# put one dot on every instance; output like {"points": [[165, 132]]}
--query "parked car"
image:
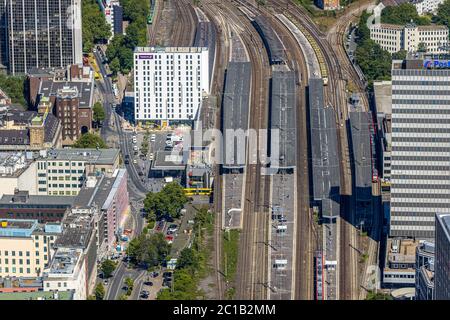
{"points": [[173, 227], [153, 137], [169, 239], [160, 225]]}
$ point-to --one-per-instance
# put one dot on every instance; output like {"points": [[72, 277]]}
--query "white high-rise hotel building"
{"points": [[169, 83], [420, 167]]}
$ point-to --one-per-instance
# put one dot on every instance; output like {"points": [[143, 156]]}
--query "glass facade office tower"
{"points": [[40, 33], [420, 174], [442, 258]]}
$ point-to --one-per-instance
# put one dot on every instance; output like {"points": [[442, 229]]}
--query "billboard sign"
{"points": [[145, 56], [436, 64]]}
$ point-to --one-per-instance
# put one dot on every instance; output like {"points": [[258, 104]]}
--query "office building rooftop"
{"points": [[98, 156], [170, 49], [64, 261]]}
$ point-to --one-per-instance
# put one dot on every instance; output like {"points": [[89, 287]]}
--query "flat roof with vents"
{"points": [[283, 118]]}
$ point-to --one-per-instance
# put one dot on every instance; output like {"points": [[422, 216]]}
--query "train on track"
{"points": [[318, 276], [151, 12], [274, 46], [373, 151]]}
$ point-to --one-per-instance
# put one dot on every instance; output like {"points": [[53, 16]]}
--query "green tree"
{"points": [[422, 47], [187, 259], [443, 14], [261, 3], [374, 61], [129, 282], [94, 26], [15, 88], [363, 32], [114, 66], [122, 46], [184, 287], [123, 297], [400, 55], [90, 140], [136, 35], [108, 267], [378, 296], [169, 201], [98, 112], [99, 291], [149, 249], [403, 14], [133, 9]]}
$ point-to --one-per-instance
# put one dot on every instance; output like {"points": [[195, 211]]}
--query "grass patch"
{"points": [[229, 294], [363, 258], [230, 253]]}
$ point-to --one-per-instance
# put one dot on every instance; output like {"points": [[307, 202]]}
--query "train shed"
{"points": [[324, 152], [360, 123], [283, 134], [235, 114], [274, 46]]}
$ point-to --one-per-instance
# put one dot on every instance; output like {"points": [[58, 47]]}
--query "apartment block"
{"points": [[410, 37]]}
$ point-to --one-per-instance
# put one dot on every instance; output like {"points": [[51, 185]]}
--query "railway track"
{"points": [[335, 97], [302, 277], [221, 58], [252, 238], [151, 29], [185, 26], [302, 287], [251, 270]]}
